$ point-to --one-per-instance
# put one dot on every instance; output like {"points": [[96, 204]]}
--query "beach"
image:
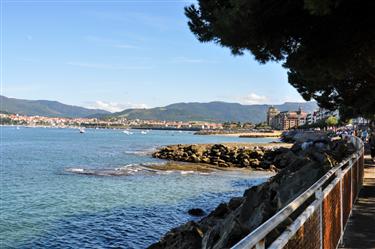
{"points": [[244, 134]]}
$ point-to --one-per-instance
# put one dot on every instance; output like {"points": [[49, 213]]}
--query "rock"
{"points": [[194, 158], [223, 164], [235, 202], [196, 212], [265, 164], [255, 154], [254, 163], [187, 236], [205, 160], [220, 211], [245, 163], [273, 168]]}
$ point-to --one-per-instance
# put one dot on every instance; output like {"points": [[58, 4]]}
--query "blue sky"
{"points": [[121, 54]]}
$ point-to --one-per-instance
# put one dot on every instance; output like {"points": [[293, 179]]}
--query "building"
{"points": [[287, 119], [271, 114], [321, 115], [310, 118]]}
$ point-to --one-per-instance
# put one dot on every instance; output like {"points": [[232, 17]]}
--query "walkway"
{"points": [[360, 231]]}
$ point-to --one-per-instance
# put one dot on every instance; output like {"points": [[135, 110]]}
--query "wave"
{"points": [[142, 152], [151, 168], [127, 170]]}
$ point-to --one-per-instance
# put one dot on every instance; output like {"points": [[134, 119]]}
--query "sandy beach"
{"points": [[241, 134]]}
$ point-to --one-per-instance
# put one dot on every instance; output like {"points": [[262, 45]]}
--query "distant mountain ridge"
{"points": [[45, 108], [213, 111]]}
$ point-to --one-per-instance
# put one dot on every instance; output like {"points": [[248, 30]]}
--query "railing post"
{"points": [[339, 175], [351, 185], [319, 196], [358, 177]]}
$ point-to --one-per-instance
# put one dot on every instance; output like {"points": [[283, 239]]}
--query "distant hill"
{"points": [[45, 108], [213, 111]]}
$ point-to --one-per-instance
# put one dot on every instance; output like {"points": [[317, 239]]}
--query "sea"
{"points": [[46, 201]]}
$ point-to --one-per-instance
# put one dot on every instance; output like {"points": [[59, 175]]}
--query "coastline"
{"points": [[189, 167], [300, 167], [242, 134]]}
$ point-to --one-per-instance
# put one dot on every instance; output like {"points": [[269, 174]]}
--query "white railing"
{"points": [[319, 191]]}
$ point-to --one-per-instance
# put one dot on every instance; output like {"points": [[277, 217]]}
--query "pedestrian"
{"points": [[371, 142], [364, 135]]}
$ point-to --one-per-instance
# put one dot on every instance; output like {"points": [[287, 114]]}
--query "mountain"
{"points": [[212, 111], [45, 108]]}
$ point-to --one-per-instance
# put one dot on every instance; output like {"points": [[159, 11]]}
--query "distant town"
{"points": [[121, 123], [299, 119], [276, 120]]}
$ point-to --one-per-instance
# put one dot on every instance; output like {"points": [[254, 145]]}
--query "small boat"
{"points": [[144, 132], [17, 127], [82, 130], [127, 132]]}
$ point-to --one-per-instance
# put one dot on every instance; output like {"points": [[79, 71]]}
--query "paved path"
{"points": [[360, 232]]}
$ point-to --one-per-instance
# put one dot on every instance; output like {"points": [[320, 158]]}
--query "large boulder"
{"points": [[196, 212]]}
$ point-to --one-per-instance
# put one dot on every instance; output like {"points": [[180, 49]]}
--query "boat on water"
{"points": [[82, 130], [144, 132], [127, 132], [17, 127]]}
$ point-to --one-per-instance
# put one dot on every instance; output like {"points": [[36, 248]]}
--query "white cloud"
{"points": [[253, 98], [113, 106]]}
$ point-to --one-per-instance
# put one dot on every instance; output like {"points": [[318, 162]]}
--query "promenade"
{"points": [[360, 231]]}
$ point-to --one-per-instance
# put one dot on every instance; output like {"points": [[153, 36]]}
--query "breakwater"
{"points": [[267, 157]]}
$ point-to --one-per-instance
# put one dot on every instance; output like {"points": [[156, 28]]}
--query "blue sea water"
{"points": [[44, 206]]}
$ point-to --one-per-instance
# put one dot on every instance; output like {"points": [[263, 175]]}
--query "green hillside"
{"points": [[213, 111], [45, 108]]}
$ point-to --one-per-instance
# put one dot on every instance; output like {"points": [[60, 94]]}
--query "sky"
{"points": [[113, 55]]}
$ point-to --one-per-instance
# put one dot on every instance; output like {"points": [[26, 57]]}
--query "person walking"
{"points": [[364, 135], [371, 142]]}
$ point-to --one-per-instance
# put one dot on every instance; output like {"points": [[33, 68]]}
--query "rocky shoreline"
{"points": [[258, 157], [299, 167]]}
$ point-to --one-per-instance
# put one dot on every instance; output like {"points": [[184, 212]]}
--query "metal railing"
{"points": [[321, 224]]}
